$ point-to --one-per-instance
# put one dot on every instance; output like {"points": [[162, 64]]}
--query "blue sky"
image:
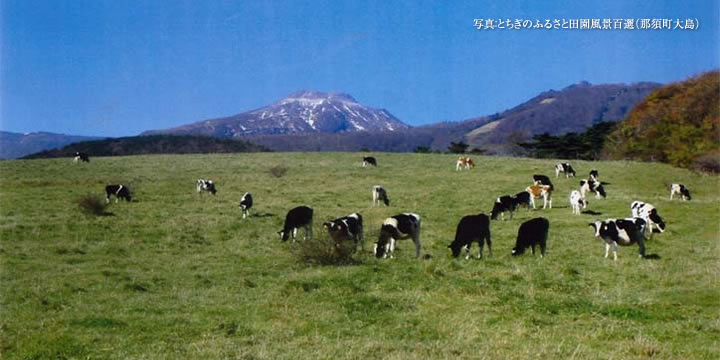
{"points": [[117, 68]]}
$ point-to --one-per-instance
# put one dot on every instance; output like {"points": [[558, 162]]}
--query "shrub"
{"points": [[92, 205], [278, 171], [321, 250]]}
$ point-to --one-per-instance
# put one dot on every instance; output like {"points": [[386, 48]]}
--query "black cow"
{"points": [[565, 168], [379, 194], [346, 228], [301, 216], [369, 160], [622, 232], [81, 156], [543, 180], [503, 204], [594, 175], [589, 185], [471, 228], [120, 192], [246, 202], [398, 227], [530, 234], [522, 199]]}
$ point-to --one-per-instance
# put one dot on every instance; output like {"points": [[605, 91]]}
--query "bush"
{"points": [[92, 205], [709, 162], [321, 250], [278, 171]]}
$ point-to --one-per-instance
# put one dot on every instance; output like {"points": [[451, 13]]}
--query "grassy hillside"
{"points": [[177, 275]]}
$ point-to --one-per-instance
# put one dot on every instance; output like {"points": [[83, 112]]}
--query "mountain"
{"points": [[300, 113], [152, 144], [678, 124], [572, 109], [15, 145]]}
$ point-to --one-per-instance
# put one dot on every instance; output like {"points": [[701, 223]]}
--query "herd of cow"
{"points": [[472, 228]]}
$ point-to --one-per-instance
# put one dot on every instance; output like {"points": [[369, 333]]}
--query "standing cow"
{"points": [[398, 227], [472, 228], [246, 202], [532, 233], [298, 217]]}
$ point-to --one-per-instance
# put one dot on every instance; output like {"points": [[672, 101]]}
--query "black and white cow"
{"points": [[81, 156], [120, 191], [649, 213], [543, 180], [398, 227], [594, 175], [503, 204], [589, 185], [369, 160], [246, 202], [681, 190], [346, 228], [565, 168], [301, 216], [577, 202], [379, 194], [622, 232], [205, 185], [532, 233], [470, 229]]}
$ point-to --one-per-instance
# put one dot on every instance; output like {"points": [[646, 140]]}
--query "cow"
{"points": [[471, 228], [530, 234], [464, 162], [503, 204], [622, 232], [577, 202], [205, 185], [681, 190], [544, 191], [542, 180], [120, 191], [649, 213], [398, 227], [346, 228], [246, 202], [565, 168], [522, 199], [369, 160], [593, 175], [588, 185], [81, 156], [379, 194], [301, 216]]}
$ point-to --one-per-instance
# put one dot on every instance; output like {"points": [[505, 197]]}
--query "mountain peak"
{"points": [[319, 95]]}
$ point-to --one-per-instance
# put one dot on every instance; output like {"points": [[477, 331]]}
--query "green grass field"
{"points": [[175, 275]]}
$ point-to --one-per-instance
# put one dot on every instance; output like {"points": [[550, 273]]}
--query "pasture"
{"points": [[177, 275]]}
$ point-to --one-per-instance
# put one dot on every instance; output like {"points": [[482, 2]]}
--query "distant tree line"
{"points": [[587, 145]]}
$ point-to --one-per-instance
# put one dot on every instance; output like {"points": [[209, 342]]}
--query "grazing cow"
{"points": [[565, 168], [501, 205], [120, 192], [681, 190], [622, 232], [542, 180], [464, 162], [649, 213], [81, 156], [471, 228], [369, 160], [398, 227], [577, 202], [346, 228], [537, 191], [594, 175], [530, 234], [379, 194], [522, 199], [301, 216], [246, 202], [589, 185], [205, 185]]}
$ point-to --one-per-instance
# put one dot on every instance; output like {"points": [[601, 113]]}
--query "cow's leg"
{"points": [[614, 249], [607, 249], [294, 234], [467, 251]]}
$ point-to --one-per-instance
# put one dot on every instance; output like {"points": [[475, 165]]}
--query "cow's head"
{"points": [[455, 248], [284, 235], [686, 193], [381, 246], [518, 250], [596, 227]]}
